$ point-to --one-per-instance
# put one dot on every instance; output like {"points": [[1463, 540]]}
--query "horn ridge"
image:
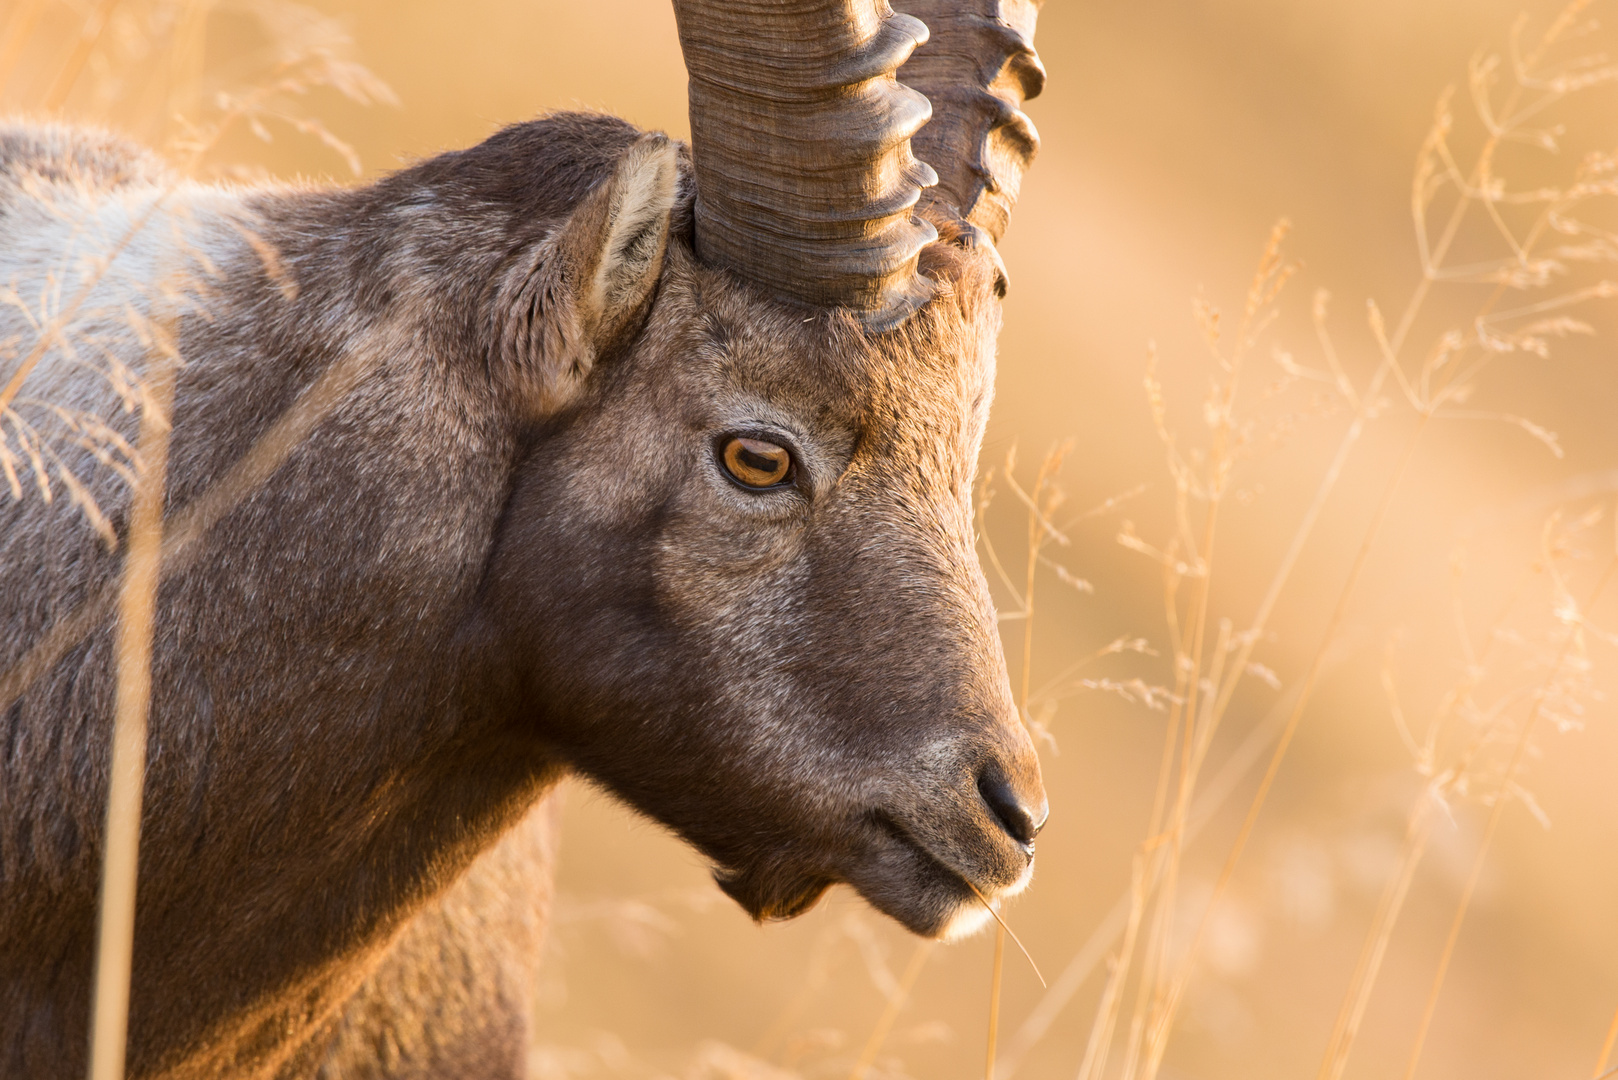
{"points": [[806, 183], [977, 68]]}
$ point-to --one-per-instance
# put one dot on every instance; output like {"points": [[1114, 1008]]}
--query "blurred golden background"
{"points": [[1175, 135]]}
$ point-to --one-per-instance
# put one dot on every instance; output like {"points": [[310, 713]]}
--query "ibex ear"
{"points": [[588, 285]]}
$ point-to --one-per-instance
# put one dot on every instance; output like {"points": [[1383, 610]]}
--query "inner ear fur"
{"points": [[589, 284]]}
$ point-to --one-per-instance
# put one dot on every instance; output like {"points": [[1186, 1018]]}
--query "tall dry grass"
{"points": [[1551, 264], [1537, 258]]}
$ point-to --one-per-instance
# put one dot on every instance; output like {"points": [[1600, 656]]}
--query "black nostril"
{"points": [[1002, 801]]}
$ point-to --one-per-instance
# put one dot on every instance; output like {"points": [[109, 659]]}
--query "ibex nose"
{"points": [[1021, 821]]}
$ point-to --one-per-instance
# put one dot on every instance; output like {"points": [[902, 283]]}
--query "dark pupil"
{"points": [[769, 466]]}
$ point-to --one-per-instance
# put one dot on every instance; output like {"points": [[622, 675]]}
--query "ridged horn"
{"points": [[977, 69], [800, 137]]}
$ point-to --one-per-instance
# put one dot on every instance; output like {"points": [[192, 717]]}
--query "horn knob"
{"points": [[806, 184], [977, 69]]}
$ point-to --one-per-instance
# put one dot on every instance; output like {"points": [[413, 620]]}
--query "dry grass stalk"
{"points": [[1007, 931], [137, 604], [997, 970], [1606, 1048]]}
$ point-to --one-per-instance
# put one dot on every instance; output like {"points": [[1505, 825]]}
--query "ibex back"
{"points": [[502, 468]]}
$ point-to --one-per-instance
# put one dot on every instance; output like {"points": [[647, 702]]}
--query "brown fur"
{"points": [[509, 554]]}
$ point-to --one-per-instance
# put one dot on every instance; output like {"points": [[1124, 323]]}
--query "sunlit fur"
{"points": [[510, 553]]}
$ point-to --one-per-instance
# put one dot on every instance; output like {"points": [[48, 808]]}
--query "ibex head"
{"points": [[738, 573]]}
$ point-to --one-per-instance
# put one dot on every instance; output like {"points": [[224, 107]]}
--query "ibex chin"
{"points": [[644, 464]]}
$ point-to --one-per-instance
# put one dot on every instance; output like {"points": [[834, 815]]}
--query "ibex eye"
{"points": [[754, 463]]}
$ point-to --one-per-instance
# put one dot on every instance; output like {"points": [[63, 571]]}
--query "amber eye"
{"points": [[757, 464]]}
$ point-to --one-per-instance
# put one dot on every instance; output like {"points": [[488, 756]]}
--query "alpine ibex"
{"points": [[645, 464]]}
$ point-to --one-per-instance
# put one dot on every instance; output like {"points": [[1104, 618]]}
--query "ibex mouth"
{"points": [[907, 880], [898, 873]]}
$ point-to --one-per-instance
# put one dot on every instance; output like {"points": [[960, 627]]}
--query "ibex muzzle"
{"points": [[611, 459]]}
